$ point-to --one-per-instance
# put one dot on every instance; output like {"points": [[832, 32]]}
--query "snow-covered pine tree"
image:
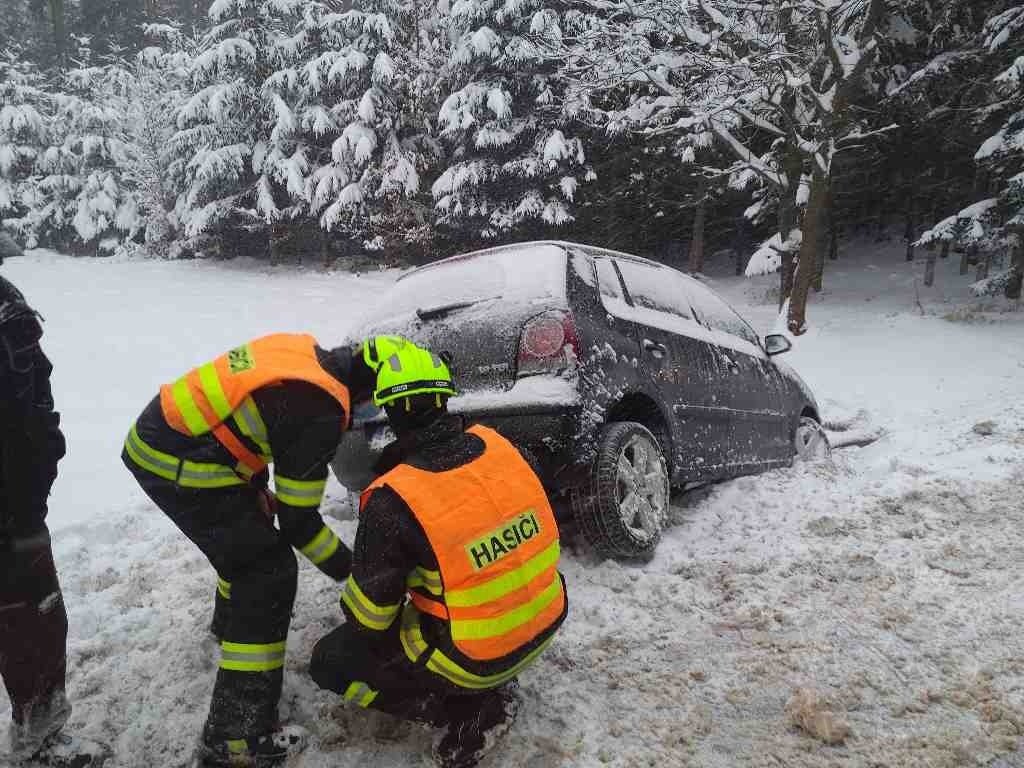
{"points": [[368, 94], [158, 88], [1002, 154], [83, 180], [62, 150], [977, 73], [232, 146], [25, 122], [514, 158]]}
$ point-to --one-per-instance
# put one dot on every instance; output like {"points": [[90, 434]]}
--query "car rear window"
{"points": [[531, 273]]}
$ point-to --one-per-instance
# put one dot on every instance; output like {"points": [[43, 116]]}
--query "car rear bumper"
{"points": [[541, 414]]}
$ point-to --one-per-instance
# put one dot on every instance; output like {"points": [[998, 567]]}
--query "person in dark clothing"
{"points": [[454, 587], [33, 620], [201, 450]]}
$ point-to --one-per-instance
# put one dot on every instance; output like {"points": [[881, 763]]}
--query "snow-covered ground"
{"points": [[889, 582]]}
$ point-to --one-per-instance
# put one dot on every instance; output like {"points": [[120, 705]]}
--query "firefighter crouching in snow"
{"points": [[33, 620], [200, 450], [461, 526]]}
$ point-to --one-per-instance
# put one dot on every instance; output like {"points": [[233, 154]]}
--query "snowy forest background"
{"points": [[397, 131]]}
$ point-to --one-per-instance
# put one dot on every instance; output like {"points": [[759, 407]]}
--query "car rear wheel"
{"points": [[810, 441], [623, 506]]}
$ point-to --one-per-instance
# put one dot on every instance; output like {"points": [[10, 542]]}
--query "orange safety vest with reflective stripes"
{"points": [[200, 401], [492, 529]]}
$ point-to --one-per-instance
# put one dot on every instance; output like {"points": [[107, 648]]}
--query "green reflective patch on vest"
{"points": [[489, 549], [240, 359]]}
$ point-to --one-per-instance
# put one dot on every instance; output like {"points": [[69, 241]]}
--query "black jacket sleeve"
{"points": [[389, 545], [304, 428], [31, 442]]}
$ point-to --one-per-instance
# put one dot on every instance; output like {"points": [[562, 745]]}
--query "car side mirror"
{"points": [[776, 344]]}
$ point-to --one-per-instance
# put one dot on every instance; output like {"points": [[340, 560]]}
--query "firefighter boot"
{"points": [[265, 751], [477, 723], [65, 751], [41, 722]]}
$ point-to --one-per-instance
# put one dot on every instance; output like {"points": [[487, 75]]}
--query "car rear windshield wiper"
{"points": [[430, 313]]}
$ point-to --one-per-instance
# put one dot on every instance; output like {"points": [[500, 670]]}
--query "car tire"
{"points": [[622, 508], [810, 441]]}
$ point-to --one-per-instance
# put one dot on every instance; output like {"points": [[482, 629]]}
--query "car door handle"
{"points": [[655, 348]]}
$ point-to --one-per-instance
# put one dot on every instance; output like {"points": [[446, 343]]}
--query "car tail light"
{"points": [[548, 344]]}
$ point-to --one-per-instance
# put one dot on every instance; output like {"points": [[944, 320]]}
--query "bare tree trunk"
{"points": [[911, 232], [929, 265], [813, 222], [57, 20], [697, 240], [965, 259], [793, 167], [945, 249], [822, 245], [983, 265], [833, 229], [1016, 281]]}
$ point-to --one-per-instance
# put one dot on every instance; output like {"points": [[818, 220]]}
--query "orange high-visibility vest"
{"points": [[492, 529], [201, 400]]}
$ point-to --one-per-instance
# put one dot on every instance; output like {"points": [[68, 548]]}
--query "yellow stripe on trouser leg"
{"points": [[360, 693], [367, 612], [252, 657], [322, 546], [224, 588], [299, 493], [238, 746]]}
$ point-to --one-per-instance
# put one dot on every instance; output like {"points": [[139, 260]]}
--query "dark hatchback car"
{"points": [[622, 376]]}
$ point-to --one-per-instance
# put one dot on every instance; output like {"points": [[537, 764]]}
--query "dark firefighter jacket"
{"points": [[304, 428], [31, 442]]}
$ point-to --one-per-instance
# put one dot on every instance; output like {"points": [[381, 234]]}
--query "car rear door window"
{"points": [[655, 288], [608, 280]]}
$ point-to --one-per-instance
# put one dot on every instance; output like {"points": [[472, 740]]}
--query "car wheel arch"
{"points": [[644, 409]]}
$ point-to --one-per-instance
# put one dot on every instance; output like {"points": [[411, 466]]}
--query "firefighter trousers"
{"points": [[257, 576], [33, 628], [373, 671]]}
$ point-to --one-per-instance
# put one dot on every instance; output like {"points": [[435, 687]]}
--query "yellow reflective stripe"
{"points": [[299, 493], [480, 629], [506, 584], [238, 746], [252, 657], [442, 665], [323, 545], [427, 579], [194, 419], [411, 634], [200, 475], [247, 417], [224, 588], [193, 474], [361, 693], [367, 612], [161, 464], [214, 392]]}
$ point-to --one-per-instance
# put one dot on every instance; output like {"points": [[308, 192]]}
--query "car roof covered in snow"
{"points": [[530, 244]]}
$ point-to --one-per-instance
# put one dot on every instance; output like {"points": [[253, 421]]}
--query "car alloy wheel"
{"points": [[811, 441], [642, 487], [622, 506]]}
